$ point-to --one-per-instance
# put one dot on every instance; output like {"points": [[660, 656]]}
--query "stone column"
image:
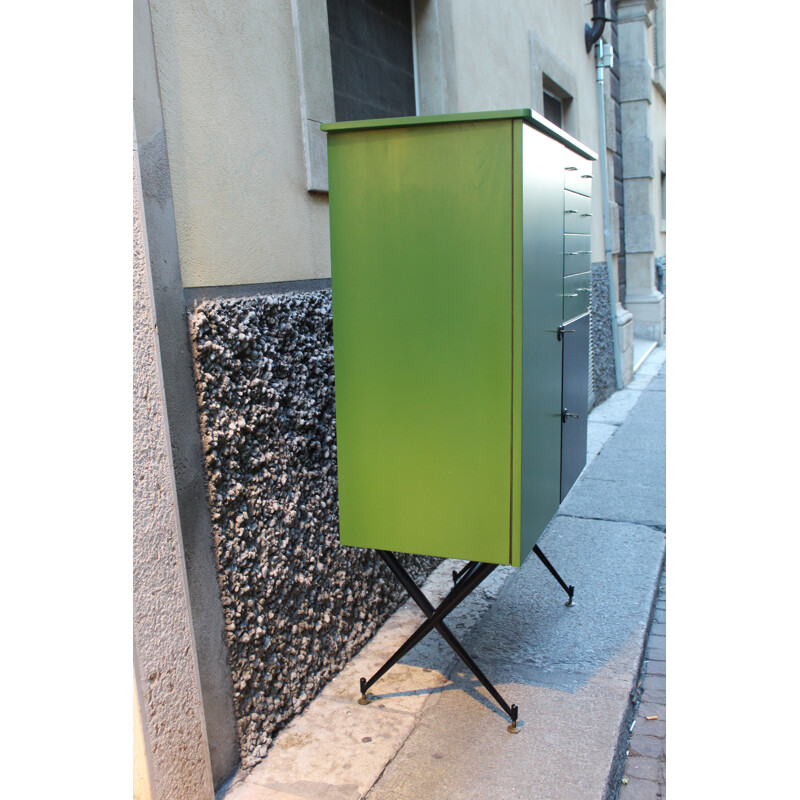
{"points": [[643, 299]]}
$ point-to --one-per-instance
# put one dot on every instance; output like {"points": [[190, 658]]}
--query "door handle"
{"points": [[562, 330], [565, 414]]}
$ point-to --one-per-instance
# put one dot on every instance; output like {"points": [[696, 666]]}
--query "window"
{"points": [[556, 104], [553, 110], [372, 58]]}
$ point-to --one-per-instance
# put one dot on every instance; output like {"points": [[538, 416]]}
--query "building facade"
{"points": [[234, 267]]}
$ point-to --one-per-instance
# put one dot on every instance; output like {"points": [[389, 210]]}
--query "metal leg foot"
{"points": [[570, 590], [512, 728]]}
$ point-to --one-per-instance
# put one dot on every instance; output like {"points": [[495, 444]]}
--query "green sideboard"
{"points": [[460, 257]]}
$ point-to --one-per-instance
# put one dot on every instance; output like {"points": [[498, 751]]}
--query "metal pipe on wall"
{"points": [[599, 19], [415, 55], [601, 126]]}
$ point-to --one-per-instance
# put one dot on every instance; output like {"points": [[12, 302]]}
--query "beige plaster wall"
{"points": [[230, 95], [230, 90], [492, 53]]}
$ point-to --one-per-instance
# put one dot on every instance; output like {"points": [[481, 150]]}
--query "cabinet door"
{"points": [[574, 400]]}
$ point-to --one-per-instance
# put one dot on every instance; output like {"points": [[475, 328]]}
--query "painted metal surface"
{"points": [[578, 175], [575, 400], [447, 248], [532, 118], [542, 286], [577, 290], [576, 261], [421, 248]]}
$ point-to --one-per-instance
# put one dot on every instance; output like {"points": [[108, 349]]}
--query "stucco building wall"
{"points": [[231, 99], [230, 82]]}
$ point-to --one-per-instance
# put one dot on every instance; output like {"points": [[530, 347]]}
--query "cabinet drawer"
{"points": [[577, 291], [577, 213], [578, 177], [577, 253]]}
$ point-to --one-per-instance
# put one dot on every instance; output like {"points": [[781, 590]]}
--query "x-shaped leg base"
{"points": [[468, 579]]}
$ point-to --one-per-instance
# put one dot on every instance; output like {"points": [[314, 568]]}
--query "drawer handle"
{"points": [[579, 253], [586, 215], [570, 295], [572, 211], [571, 169], [586, 176], [584, 290]]}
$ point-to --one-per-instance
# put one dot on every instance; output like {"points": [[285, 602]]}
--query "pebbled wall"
{"points": [[297, 604], [603, 377]]}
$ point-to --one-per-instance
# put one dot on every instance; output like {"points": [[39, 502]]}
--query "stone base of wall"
{"points": [[298, 605]]}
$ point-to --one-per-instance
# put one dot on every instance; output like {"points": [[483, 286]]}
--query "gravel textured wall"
{"points": [[603, 376], [297, 604]]}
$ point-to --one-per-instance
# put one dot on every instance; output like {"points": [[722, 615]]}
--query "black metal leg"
{"points": [[465, 568], [570, 590], [465, 581]]}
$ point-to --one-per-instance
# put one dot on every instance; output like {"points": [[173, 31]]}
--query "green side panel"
{"points": [[421, 271], [542, 244], [516, 427]]}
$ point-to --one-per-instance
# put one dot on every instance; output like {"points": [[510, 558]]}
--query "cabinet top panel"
{"points": [[525, 114]]}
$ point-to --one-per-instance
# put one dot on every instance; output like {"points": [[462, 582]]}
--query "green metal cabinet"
{"points": [[448, 236]]}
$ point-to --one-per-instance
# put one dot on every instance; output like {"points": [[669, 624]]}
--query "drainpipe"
{"points": [[599, 19], [600, 63], [415, 56]]}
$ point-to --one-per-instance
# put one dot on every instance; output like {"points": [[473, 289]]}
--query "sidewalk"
{"points": [[433, 733]]}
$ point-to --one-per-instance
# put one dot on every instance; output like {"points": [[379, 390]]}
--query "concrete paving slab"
{"points": [[529, 635], [626, 482], [615, 410], [652, 365], [461, 748], [597, 434]]}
